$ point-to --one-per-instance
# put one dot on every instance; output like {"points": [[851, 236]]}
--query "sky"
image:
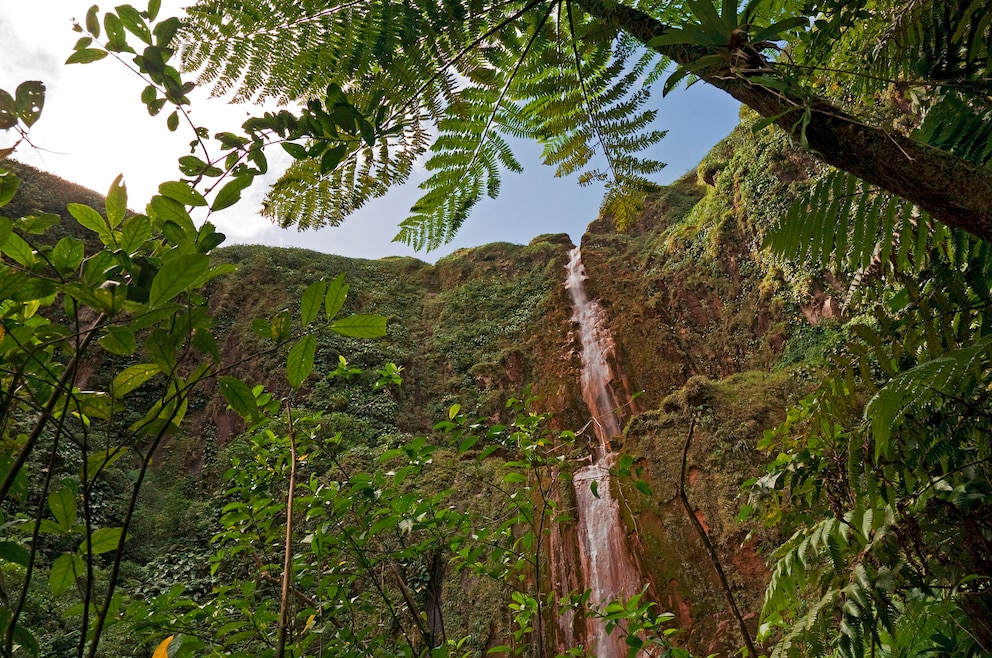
{"points": [[95, 127]]}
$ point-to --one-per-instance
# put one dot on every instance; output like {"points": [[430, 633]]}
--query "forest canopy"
{"points": [[893, 93]]}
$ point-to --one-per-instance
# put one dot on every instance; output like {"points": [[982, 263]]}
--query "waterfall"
{"points": [[608, 566]]}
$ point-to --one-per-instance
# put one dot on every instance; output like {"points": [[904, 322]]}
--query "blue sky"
{"points": [[94, 127]]}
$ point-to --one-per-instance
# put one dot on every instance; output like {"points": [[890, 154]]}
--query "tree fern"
{"points": [[479, 72], [845, 224]]}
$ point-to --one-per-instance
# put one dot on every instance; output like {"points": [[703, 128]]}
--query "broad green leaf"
{"points": [[360, 326], [153, 8], [20, 487], [191, 165], [9, 183], [119, 340], [103, 540], [6, 228], [68, 255], [132, 377], [99, 461], [62, 503], [230, 194], [92, 21], [66, 569], [332, 158], [177, 275], [161, 349], [97, 267], [134, 23], [14, 552], [8, 111], [86, 55], [38, 223], [22, 287], [26, 639], [280, 326], [643, 487], [182, 192], [30, 101], [298, 151], [311, 302], [166, 31], [337, 292], [167, 209], [514, 477], [261, 328], [204, 341], [94, 404], [91, 219], [594, 488], [239, 397], [116, 37], [136, 231], [208, 238], [116, 202], [299, 363], [15, 247]]}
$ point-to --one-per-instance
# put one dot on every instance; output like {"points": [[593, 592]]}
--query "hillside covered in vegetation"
{"points": [[431, 462]]}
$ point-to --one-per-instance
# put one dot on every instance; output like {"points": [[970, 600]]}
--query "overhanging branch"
{"points": [[954, 191]]}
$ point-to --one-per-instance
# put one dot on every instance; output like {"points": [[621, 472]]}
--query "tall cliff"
{"points": [[704, 327]]}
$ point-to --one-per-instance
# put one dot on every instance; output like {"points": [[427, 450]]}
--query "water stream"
{"points": [[608, 566]]}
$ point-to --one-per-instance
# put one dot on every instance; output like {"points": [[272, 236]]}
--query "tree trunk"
{"points": [[956, 192]]}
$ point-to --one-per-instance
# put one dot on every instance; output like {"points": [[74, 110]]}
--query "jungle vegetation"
{"points": [[879, 480]]}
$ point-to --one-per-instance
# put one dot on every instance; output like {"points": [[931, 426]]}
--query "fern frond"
{"points": [[959, 126], [304, 198], [916, 391], [846, 225]]}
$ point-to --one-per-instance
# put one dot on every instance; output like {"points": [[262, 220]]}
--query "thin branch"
{"points": [[714, 558]]}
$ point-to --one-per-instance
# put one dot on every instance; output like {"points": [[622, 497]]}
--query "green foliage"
{"points": [[129, 298], [878, 469], [381, 545], [491, 73]]}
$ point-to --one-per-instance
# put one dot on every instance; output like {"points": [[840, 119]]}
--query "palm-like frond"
{"points": [[477, 71]]}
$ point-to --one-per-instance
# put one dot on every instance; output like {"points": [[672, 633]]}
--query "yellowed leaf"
{"points": [[162, 651]]}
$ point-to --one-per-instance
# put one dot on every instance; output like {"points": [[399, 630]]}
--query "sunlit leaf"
{"points": [[66, 569], [360, 326], [299, 363], [86, 55], [337, 292], [102, 540], [116, 202], [132, 377], [8, 186], [230, 194], [177, 275], [182, 192], [311, 302], [62, 503]]}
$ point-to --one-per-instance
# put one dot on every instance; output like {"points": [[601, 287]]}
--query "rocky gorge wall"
{"points": [[702, 324]]}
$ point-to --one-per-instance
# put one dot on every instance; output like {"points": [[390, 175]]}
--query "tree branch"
{"points": [[952, 190], [714, 558]]}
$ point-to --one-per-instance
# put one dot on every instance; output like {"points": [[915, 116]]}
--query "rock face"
{"points": [[681, 318]]}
